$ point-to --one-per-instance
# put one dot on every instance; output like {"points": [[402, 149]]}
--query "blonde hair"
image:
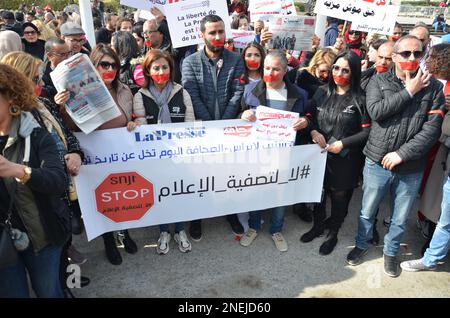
{"points": [[322, 56], [23, 62], [45, 31]]}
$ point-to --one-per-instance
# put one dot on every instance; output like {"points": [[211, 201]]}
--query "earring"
{"points": [[14, 111]]}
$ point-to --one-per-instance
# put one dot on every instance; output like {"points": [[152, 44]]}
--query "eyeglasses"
{"points": [[354, 32], [63, 54], [29, 32], [77, 41], [106, 65], [337, 68], [407, 54], [149, 32]]}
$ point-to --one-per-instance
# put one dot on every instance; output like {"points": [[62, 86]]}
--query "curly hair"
{"points": [[17, 88], [437, 62]]}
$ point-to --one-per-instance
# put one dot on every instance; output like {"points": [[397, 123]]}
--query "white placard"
{"points": [[263, 9], [372, 23], [143, 193], [274, 124], [241, 38], [291, 32], [184, 20], [371, 15]]}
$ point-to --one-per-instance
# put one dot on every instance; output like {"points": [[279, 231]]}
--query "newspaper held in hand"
{"points": [[274, 124], [90, 104], [291, 32]]}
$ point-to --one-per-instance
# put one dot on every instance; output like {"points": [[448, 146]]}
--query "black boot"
{"points": [[316, 231], [112, 253], [328, 246], [318, 227], [128, 243], [195, 230]]}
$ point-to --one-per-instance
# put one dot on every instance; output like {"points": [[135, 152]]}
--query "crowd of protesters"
{"points": [[377, 105]]}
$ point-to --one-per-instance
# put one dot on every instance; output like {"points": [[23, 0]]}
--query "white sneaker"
{"points": [[280, 242], [416, 266], [163, 243], [183, 243]]}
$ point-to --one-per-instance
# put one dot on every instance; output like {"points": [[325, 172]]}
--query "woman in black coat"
{"points": [[341, 128]]}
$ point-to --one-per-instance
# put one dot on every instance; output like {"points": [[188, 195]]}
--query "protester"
{"points": [[253, 55], [315, 74], [125, 46], [45, 32], [162, 101], [383, 61], [32, 44], [397, 33], [212, 78], [435, 174], [342, 127], [439, 22], [34, 178], [107, 63], [74, 36], [440, 242], [9, 42], [404, 128], [47, 115], [331, 33], [372, 54], [276, 92], [104, 34]]}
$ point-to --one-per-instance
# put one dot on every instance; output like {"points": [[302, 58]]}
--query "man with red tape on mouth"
{"points": [[406, 106], [212, 78]]}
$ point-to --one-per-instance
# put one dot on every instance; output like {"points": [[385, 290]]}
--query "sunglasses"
{"points": [[407, 54], [29, 32], [354, 32], [106, 65], [337, 68]]}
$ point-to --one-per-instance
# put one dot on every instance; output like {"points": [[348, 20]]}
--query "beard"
{"points": [[212, 48]]}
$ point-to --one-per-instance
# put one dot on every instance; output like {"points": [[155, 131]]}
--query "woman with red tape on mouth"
{"points": [[107, 63], [162, 101], [341, 128]]}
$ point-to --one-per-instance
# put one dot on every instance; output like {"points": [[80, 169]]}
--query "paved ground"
{"points": [[219, 267]]}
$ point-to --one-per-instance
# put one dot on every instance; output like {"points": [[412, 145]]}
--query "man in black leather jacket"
{"points": [[406, 107]]}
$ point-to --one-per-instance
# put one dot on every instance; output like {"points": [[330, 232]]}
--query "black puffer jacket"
{"points": [[408, 126]]}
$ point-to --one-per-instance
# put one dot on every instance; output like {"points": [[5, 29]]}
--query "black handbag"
{"points": [[8, 252]]}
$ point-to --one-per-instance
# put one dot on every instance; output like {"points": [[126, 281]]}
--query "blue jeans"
{"points": [[43, 269], [440, 243], [178, 227], [403, 189], [276, 221], [437, 25]]}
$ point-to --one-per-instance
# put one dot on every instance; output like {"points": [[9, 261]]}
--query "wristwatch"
{"points": [[26, 176]]}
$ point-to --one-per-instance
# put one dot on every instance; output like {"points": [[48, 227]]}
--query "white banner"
{"points": [[175, 140], [144, 193], [185, 16], [371, 15], [262, 9], [291, 32]]}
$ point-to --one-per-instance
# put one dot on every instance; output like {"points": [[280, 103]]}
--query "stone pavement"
{"points": [[219, 267]]}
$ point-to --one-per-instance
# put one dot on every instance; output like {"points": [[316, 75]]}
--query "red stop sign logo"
{"points": [[124, 196]]}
